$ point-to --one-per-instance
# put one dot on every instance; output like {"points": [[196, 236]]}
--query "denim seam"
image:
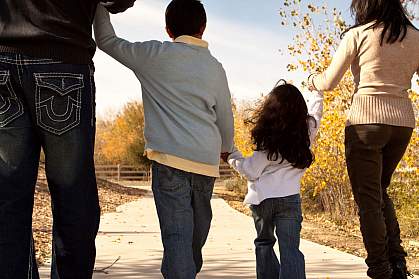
{"points": [[39, 106], [28, 61], [92, 101], [30, 258], [18, 68], [14, 97]]}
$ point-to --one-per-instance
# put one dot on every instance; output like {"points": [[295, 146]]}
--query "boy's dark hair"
{"points": [[185, 17], [281, 127]]}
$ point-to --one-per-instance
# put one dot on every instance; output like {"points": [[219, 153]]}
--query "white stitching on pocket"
{"points": [[60, 90], [9, 101], [93, 97], [29, 61], [55, 116], [45, 108]]}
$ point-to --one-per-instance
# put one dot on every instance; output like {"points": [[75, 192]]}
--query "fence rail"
{"points": [[133, 173], [122, 172]]}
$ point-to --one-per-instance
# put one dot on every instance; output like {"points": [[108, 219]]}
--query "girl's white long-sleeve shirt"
{"points": [[273, 179]]}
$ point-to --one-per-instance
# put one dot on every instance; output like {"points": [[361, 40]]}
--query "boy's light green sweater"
{"points": [[187, 102]]}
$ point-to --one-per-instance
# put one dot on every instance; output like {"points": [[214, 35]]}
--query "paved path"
{"points": [[133, 234]]}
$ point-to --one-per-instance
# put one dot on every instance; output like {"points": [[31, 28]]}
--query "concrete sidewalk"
{"points": [[132, 234]]}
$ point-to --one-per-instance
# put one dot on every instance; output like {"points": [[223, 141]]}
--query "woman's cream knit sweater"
{"points": [[382, 76]]}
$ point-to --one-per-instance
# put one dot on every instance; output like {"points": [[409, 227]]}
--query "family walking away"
{"points": [[47, 100]]}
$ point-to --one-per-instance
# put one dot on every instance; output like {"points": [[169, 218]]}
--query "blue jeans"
{"points": [[183, 202], [48, 104], [284, 216]]}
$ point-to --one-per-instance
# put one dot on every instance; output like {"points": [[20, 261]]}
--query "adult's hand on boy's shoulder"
{"points": [[117, 6]]}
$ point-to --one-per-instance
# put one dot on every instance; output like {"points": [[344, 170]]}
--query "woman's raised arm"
{"points": [[342, 59]]}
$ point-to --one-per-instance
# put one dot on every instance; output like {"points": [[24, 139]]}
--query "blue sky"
{"points": [[244, 35]]}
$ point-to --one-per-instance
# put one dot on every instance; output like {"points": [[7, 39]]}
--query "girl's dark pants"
{"points": [[372, 155]]}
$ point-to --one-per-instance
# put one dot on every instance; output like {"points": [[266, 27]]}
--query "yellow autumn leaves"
{"points": [[119, 139]]}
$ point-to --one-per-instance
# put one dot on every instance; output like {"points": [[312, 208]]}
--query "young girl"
{"points": [[285, 127]]}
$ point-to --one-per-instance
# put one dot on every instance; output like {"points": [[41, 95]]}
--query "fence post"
{"points": [[119, 172]]}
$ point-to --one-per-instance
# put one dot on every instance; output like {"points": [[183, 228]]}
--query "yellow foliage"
{"points": [[120, 140], [242, 130]]}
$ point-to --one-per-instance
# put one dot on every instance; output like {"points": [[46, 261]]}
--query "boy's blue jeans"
{"points": [[45, 103], [284, 216], [183, 202]]}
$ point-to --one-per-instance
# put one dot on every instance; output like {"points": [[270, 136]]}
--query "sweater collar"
{"points": [[191, 41]]}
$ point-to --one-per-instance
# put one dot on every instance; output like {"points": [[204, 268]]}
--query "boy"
{"points": [[188, 123]]}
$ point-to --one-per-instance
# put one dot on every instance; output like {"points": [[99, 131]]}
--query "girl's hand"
{"points": [[224, 156]]}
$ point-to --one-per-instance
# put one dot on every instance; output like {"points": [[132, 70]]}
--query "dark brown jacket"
{"points": [[58, 29]]}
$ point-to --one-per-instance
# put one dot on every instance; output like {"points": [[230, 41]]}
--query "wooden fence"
{"points": [[122, 172], [133, 173]]}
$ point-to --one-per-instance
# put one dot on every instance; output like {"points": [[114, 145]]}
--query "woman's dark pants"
{"points": [[372, 155]]}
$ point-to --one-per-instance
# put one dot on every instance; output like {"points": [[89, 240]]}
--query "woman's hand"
{"points": [[311, 85]]}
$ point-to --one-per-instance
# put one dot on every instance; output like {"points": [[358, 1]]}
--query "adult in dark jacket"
{"points": [[47, 99]]}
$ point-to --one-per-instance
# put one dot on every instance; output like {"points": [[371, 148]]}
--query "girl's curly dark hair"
{"points": [[281, 127]]}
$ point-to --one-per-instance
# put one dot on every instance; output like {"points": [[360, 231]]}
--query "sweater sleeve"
{"points": [[118, 6], [224, 112], [251, 167], [315, 109], [341, 62], [132, 55]]}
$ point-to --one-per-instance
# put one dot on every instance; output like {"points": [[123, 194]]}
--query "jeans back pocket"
{"points": [[58, 101], [10, 106]]}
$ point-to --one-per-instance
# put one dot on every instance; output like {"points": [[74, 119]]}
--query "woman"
{"points": [[383, 52]]}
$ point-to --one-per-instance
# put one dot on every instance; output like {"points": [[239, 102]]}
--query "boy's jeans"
{"points": [[283, 215], [49, 104], [183, 202], [372, 155]]}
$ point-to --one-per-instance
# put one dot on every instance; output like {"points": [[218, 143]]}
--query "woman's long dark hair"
{"points": [[387, 13], [282, 127]]}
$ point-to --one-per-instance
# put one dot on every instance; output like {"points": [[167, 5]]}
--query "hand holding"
{"points": [[311, 85], [224, 156]]}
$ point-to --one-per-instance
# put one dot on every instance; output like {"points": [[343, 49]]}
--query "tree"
{"points": [[121, 140]]}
